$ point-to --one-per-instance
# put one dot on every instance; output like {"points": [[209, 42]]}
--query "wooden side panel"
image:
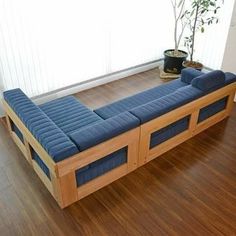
{"points": [[129, 139], [102, 181], [99, 151], [193, 109], [43, 177], [65, 189]]}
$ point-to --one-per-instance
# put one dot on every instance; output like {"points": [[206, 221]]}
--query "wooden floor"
{"points": [[191, 190]]}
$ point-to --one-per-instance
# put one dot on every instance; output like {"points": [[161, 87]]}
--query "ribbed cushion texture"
{"points": [[104, 130], [167, 103], [131, 102], [188, 74], [69, 114], [101, 166], [209, 81], [53, 140]]}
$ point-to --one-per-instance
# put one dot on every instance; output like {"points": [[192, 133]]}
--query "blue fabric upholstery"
{"points": [[69, 114], [169, 131], [131, 102], [41, 164], [188, 74], [53, 140], [229, 78], [17, 131], [167, 103], [209, 81], [104, 130], [212, 109], [101, 166]]}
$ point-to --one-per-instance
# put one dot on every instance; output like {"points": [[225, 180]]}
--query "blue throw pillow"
{"points": [[188, 74], [209, 81]]}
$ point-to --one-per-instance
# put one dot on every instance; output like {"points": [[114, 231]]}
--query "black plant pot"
{"points": [[174, 64]]}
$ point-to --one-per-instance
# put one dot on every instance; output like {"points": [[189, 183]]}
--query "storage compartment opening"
{"points": [[17, 131], [101, 166], [169, 131], [212, 109], [40, 163]]}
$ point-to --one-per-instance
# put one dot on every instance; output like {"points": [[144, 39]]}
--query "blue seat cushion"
{"points": [[209, 81], [52, 139], [188, 74], [131, 102], [104, 130], [167, 103], [69, 114]]}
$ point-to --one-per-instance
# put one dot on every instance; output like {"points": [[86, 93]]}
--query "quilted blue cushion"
{"points": [[53, 140], [69, 114], [131, 102], [104, 130], [188, 74], [209, 81], [167, 103]]}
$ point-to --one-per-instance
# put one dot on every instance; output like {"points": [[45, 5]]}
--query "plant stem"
{"points": [[194, 29]]}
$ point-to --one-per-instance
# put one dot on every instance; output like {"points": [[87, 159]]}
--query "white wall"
{"points": [[229, 60]]}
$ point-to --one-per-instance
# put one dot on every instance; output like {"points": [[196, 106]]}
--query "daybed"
{"points": [[76, 151]]}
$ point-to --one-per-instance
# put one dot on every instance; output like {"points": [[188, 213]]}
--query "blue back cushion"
{"points": [[53, 140], [188, 74], [209, 81]]}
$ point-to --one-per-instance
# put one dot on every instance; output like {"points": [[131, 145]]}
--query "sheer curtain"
{"points": [[49, 44]]}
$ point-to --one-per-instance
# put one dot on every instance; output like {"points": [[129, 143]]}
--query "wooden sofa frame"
{"points": [[63, 185]]}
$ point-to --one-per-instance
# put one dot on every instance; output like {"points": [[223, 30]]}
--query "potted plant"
{"points": [[173, 58], [203, 12]]}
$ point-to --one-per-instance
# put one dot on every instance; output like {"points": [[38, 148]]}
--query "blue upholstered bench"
{"points": [[75, 150]]}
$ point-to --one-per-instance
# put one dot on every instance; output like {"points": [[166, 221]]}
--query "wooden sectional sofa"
{"points": [[76, 151]]}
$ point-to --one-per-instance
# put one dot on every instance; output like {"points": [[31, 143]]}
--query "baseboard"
{"points": [[96, 82]]}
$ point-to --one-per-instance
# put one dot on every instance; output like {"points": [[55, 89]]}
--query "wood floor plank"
{"points": [[190, 190]]}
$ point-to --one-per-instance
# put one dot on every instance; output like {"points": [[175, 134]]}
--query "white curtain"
{"points": [[48, 44]]}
